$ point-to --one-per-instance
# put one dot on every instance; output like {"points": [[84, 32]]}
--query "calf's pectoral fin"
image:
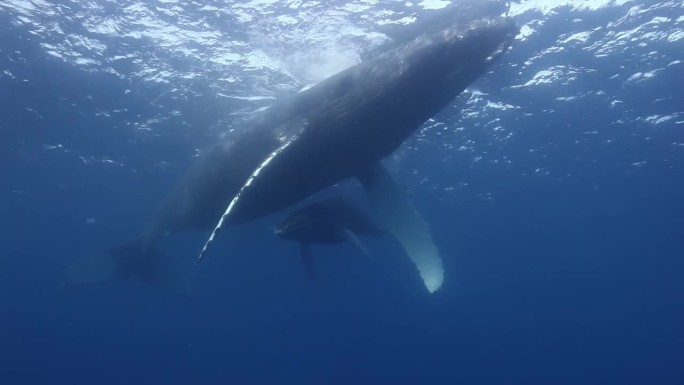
{"points": [[354, 240], [307, 260], [393, 211]]}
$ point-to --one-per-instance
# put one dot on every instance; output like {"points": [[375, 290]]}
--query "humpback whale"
{"points": [[340, 128], [327, 222]]}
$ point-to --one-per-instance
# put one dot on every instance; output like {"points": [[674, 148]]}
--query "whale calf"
{"points": [[340, 128], [329, 221]]}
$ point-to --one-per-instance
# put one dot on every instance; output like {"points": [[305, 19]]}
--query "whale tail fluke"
{"points": [[129, 259]]}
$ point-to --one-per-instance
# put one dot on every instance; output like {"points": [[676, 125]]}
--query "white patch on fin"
{"points": [[395, 213], [237, 196]]}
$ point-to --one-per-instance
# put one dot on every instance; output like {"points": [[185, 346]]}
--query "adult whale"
{"points": [[338, 129]]}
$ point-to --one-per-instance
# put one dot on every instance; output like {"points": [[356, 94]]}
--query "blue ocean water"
{"points": [[552, 187]]}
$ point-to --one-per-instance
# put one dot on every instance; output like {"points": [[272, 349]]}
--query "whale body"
{"points": [[340, 128]]}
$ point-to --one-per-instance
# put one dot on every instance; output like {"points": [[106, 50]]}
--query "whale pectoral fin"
{"points": [[394, 212], [243, 190], [307, 260], [354, 240], [124, 261]]}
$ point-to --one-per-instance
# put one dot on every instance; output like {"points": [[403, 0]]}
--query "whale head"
{"points": [[381, 102], [436, 67]]}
